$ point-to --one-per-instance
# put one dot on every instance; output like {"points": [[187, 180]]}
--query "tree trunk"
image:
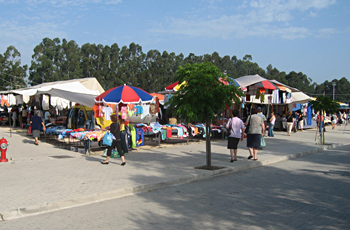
{"points": [[208, 146]]}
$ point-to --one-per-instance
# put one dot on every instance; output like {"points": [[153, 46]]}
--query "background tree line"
{"points": [[56, 59]]}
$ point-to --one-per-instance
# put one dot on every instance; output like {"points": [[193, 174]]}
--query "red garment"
{"points": [[320, 118], [98, 110], [169, 133]]}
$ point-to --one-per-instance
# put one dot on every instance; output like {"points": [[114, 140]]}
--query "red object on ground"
{"points": [[3, 149]]}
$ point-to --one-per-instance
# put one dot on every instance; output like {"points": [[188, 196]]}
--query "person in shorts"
{"points": [[36, 122], [236, 134]]}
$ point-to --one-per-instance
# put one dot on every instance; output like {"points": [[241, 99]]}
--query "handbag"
{"points": [[30, 130], [107, 139], [247, 128], [262, 142], [229, 129]]}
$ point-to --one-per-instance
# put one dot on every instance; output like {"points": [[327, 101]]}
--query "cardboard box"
{"points": [[82, 151], [75, 149]]}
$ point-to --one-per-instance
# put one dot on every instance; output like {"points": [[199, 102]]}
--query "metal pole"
{"points": [[334, 84]]}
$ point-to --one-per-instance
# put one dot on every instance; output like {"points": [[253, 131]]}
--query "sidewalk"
{"points": [[45, 178]]}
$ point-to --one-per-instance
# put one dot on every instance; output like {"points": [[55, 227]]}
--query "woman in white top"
{"points": [[236, 126], [272, 125]]}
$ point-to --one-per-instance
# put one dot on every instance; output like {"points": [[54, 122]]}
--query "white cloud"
{"points": [[312, 14], [268, 18], [327, 32]]}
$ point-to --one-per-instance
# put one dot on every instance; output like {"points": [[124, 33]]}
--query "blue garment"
{"points": [[320, 126], [309, 115], [36, 122], [163, 134], [139, 137], [271, 132], [139, 110]]}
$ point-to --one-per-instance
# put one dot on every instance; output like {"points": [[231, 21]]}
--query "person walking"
{"points": [[290, 122], [14, 114], [24, 116], [295, 122], [256, 130], [272, 125], [236, 134], [115, 130], [300, 121], [36, 122], [259, 113], [345, 117], [334, 120]]}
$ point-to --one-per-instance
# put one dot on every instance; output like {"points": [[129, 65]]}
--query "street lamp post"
{"points": [[334, 84]]}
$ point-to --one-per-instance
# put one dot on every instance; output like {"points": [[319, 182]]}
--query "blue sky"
{"points": [[309, 36]]}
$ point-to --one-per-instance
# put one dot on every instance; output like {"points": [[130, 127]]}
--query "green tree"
{"points": [[299, 81], [42, 68], [71, 60], [201, 96], [12, 74], [324, 104]]}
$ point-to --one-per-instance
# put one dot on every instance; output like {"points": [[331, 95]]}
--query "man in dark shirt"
{"points": [[36, 123]]}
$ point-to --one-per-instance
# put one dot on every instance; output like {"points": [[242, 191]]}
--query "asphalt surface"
{"points": [[309, 192], [44, 178]]}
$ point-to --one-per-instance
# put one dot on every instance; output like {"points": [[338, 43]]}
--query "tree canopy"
{"points": [[201, 96]]}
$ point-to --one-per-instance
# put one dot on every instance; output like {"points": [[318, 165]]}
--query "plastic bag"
{"points": [[262, 142], [115, 154], [107, 139]]}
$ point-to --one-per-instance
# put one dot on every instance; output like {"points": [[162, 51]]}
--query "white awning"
{"points": [[249, 80]]}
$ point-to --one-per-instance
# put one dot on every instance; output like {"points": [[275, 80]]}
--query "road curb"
{"points": [[200, 175]]}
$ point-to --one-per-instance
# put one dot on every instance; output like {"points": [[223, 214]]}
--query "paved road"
{"points": [[310, 192]]}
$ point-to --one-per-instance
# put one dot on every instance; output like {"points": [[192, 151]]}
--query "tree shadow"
{"points": [[274, 198]]}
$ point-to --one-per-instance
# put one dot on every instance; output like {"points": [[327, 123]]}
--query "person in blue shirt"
{"points": [[47, 117], [36, 123]]}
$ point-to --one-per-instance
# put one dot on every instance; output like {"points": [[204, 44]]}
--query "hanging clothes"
{"points": [[275, 96], [45, 102], [262, 97], [309, 115], [145, 109], [124, 112], [139, 137], [107, 111], [257, 95], [133, 137]]}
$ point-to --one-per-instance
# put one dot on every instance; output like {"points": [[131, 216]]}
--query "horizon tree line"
{"points": [[57, 60]]}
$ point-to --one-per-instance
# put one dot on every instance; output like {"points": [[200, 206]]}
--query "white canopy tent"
{"points": [[249, 80], [297, 95], [82, 91]]}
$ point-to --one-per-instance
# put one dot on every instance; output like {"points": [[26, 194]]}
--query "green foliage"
{"points": [[201, 94], [12, 74], [56, 59], [324, 103]]}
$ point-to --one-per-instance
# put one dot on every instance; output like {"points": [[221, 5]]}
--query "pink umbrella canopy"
{"points": [[124, 94]]}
